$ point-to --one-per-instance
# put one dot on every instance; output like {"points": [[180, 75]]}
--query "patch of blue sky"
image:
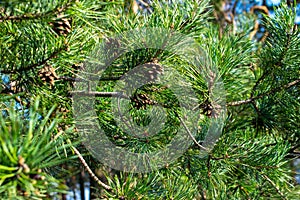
{"points": [[297, 21], [17, 105], [5, 78], [243, 6], [246, 5], [273, 2]]}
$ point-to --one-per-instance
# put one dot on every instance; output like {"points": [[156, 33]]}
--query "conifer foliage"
{"points": [[45, 46]]}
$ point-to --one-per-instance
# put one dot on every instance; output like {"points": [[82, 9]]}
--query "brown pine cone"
{"points": [[48, 75], [61, 25]]}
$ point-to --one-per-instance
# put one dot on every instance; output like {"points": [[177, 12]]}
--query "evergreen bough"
{"points": [[43, 45]]}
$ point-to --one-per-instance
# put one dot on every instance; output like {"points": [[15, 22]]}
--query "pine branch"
{"points": [[278, 89], [100, 94], [30, 16], [258, 82], [91, 173], [296, 146], [190, 134], [122, 118], [233, 9], [30, 67], [221, 158], [293, 155], [65, 78], [274, 185], [208, 166], [260, 8]]}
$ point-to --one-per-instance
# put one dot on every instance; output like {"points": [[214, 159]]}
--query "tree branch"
{"points": [[274, 185], [190, 134], [42, 62], [238, 103], [88, 169], [65, 78], [29, 16], [100, 94]]}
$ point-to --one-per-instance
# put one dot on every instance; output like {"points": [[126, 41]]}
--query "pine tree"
{"points": [[52, 54]]}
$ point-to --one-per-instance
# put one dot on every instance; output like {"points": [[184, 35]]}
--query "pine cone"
{"points": [[141, 101], [112, 49], [212, 110], [15, 86], [206, 108], [147, 73], [78, 66], [152, 70], [48, 75], [61, 25]]}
